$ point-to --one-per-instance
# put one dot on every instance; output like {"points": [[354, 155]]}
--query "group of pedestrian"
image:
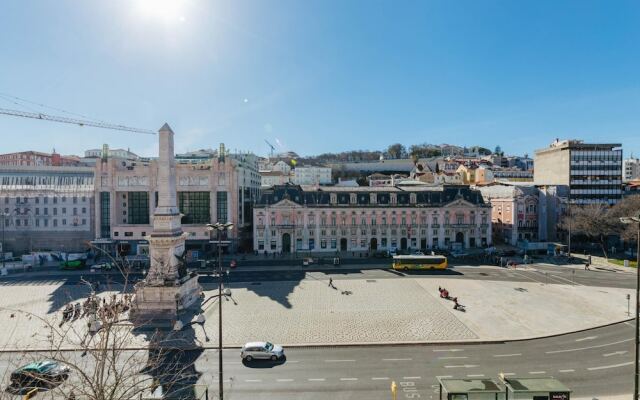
{"points": [[94, 305], [444, 294]]}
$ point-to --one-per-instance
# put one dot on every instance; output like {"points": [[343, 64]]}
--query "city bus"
{"points": [[419, 262]]}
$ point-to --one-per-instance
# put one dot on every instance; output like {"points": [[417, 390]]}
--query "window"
{"points": [[273, 245], [46, 200], [334, 243], [64, 221], [221, 206], [37, 222], [75, 211], [64, 210], [105, 214], [37, 200], [46, 223], [75, 200], [55, 211], [323, 243], [37, 211], [84, 221], [55, 223], [383, 242], [84, 210], [138, 207], [260, 244]]}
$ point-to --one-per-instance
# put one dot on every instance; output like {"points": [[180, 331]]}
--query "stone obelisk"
{"points": [[167, 288]]}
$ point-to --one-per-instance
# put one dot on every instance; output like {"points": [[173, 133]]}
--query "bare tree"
{"points": [[627, 207], [593, 221], [107, 358]]}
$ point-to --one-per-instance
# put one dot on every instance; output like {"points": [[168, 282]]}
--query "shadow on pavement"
{"points": [[263, 363]]}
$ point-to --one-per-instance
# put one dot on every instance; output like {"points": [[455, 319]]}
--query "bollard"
{"points": [[394, 390]]}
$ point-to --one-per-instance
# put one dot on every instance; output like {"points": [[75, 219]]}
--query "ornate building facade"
{"points": [[291, 218]]}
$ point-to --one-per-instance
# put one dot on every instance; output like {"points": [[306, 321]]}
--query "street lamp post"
{"points": [[636, 220], [220, 227]]}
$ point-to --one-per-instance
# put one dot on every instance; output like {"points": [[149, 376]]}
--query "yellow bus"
{"points": [[419, 262]]}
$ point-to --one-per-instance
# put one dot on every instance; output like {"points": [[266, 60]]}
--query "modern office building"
{"points": [[591, 171], [292, 218]]}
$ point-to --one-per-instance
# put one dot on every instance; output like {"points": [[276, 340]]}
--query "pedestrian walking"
{"points": [[586, 266], [331, 282]]}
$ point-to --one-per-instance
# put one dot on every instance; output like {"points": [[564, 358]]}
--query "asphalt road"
{"points": [[531, 273], [595, 364]]}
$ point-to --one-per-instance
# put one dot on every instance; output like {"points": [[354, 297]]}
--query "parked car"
{"points": [[46, 373], [72, 264], [417, 253], [107, 266], [261, 351]]}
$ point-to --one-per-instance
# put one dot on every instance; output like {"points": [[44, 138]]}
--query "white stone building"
{"points": [[630, 169], [46, 208], [311, 175]]}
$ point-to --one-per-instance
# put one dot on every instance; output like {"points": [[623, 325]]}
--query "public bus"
{"points": [[419, 262]]}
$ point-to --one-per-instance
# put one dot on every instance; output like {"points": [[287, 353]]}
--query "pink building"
{"points": [[291, 218]]}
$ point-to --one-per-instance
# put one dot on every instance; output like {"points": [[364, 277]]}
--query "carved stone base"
{"points": [[158, 306]]}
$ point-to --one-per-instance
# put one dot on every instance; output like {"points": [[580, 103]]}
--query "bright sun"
{"points": [[169, 11]]}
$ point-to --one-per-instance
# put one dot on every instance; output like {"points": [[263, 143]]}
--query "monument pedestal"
{"points": [[158, 306]]}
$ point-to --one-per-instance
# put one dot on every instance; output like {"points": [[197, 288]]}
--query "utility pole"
{"points": [[636, 220]]}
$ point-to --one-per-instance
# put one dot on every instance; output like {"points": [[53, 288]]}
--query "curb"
{"points": [[348, 344]]}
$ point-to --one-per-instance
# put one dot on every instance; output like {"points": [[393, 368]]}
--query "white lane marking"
{"points": [[568, 280], [411, 377], [537, 372], [444, 376], [508, 373], [348, 379], [397, 359], [475, 375], [615, 353], [284, 380], [441, 350], [452, 358], [339, 360], [381, 378], [589, 347], [586, 338], [253, 380], [460, 366], [316, 379], [528, 277], [507, 355], [566, 370], [610, 366]]}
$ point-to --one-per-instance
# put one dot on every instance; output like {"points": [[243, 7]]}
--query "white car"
{"points": [[261, 351]]}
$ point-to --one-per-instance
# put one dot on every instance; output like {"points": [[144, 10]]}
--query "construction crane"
{"points": [[73, 121], [271, 146]]}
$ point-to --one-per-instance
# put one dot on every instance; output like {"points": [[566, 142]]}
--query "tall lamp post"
{"points": [[220, 227], [636, 220]]}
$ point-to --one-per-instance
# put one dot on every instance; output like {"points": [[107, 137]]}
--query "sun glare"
{"points": [[168, 11]]}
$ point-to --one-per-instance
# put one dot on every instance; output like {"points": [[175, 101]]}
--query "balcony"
{"points": [[285, 226]]}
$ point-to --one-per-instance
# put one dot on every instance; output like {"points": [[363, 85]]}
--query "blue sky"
{"points": [[320, 75]]}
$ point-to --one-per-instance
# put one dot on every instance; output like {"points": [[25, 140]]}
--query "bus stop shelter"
{"points": [[535, 389], [470, 389]]}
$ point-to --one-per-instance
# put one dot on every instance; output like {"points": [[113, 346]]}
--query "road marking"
{"points": [[508, 373], [507, 355], [339, 360], [284, 380], [452, 358], [316, 379], [444, 376], [528, 277], [475, 375], [411, 377], [610, 366], [397, 359], [380, 378], [566, 370], [460, 366], [253, 380], [586, 338], [615, 353], [537, 372], [441, 350], [568, 280], [589, 347], [348, 379]]}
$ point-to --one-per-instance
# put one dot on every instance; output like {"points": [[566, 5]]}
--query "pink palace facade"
{"points": [[292, 218]]}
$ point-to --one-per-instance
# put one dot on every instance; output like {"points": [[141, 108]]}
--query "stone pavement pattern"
{"points": [[375, 311]]}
